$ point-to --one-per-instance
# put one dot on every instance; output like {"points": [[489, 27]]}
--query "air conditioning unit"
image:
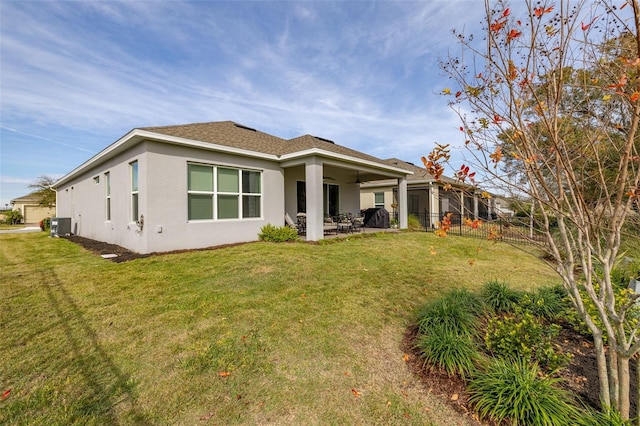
{"points": [[60, 226]]}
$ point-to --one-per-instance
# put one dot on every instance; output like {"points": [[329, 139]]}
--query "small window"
{"points": [[251, 194], [378, 199], [134, 191], [96, 180], [107, 184]]}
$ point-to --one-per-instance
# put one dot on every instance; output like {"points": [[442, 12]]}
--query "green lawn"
{"points": [[302, 334]]}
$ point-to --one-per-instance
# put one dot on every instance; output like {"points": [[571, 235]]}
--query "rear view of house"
{"points": [[198, 185]]}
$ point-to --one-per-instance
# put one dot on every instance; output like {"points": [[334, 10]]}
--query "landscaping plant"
{"points": [[449, 350], [521, 335], [456, 311], [12, 217], [277, 234], [513, 389], [549, 302], [499, 296]]}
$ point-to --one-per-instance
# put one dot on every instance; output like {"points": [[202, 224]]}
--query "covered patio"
{"points": [[328, 186]]}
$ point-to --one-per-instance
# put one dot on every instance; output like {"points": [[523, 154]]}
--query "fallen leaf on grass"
{"points": [[356, 393], [405, 357], [208, 416], [224, 374], [454, 397], [5, 394]]}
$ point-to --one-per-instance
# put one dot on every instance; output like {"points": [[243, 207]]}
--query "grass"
{"points": [[5, 226], [260, 333]]}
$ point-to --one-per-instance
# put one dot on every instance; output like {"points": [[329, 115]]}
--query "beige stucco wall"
{"points": [[368, 198], [33, 213], [162, 182]]}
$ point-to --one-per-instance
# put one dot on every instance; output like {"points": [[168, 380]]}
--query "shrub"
{"points": [[455, 311], [499, 297], [45, 224], [413, 223], [523, 336], [547, 302], [277, 234], [467, 300], [12, 217], [623, 296], [514, 390], [449, 350]]}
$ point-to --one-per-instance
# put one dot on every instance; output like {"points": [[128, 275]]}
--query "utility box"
{"points": [[60, 226]]}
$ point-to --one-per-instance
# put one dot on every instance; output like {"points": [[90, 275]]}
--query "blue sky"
{"points": [[77, 75]]}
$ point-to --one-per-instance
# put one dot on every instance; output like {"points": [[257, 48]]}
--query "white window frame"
{"points": [[107, 182], [135, 190], [376, 204], [216, 193]]}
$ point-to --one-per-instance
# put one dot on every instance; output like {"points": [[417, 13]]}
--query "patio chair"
{"points": [[290, 223], [330, 225], [357, 223], [302, 222], [344, 224]]}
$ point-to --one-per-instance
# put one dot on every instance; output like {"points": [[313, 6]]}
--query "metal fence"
{"points": [[510, 229]]}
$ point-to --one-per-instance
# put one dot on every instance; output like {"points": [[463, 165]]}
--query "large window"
{"points": [[134, 191], [107, 183], [216, 192]]}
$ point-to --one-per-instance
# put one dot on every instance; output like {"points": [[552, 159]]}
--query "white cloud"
{"points": [[7, 180], [362, 74]]}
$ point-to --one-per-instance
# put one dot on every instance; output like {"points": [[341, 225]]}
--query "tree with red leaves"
{"points": [[555, 93]]}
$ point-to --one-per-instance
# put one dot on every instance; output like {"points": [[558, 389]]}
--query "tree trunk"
{"points": [[623, 386], [603, 376], [614, 379], [531, 219], [637, 390]]}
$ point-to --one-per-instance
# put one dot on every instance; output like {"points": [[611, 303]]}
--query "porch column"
{"points": [[434, 203], [315, 217], [403, 216]]}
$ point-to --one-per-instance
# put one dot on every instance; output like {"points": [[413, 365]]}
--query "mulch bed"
{"points": [[100, 248], [580, 376], [122, 254]]}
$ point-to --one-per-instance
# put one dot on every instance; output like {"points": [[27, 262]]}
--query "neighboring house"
{"points": [[198, 185], [427, 198], [32, 211]]}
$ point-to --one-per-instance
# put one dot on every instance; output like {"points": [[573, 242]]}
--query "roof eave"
{"points": [[298, 155], [136, 136]]}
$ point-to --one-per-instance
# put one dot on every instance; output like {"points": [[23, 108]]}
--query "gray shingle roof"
{"points": [[419, 173], [228, 133]]}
